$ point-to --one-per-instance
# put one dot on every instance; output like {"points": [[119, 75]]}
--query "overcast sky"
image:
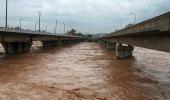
{"points": [[92, 16]]}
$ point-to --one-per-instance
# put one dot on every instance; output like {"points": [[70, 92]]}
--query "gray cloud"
{"points": [[94, 16]]}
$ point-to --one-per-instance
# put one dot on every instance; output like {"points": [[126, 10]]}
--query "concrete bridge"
{"points": [[20, 41], [152, 34]]}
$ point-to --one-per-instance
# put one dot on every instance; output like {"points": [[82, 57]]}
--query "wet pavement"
{"points": [[84, 71]]}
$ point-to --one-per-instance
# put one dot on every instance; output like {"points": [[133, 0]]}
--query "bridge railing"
{"points": [[30, 32], [3, 29], [161, 23]]}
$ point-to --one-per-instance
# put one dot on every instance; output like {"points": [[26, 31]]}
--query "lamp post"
{"points": [[20, 24], [39, 21], [64, 28], [47, 28], [6, 17], [134, 16], [36, 26], [56, 27]]}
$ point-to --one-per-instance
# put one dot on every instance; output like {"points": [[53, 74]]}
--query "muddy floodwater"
{"points": [[84, 71]]}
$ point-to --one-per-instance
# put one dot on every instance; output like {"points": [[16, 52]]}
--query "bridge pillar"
{"points": [[47, 44], [60, 42], [123, 52], [111, 45], [55, 43], [17, 47], [65, 42], [104, 43], [74, 41]]}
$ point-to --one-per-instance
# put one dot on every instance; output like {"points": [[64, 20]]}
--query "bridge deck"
{"points": [[160, 23], [15, 35], [30, 32], [152, 34]]}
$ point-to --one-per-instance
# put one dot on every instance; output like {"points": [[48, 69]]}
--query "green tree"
{"points": [[72, 32]]}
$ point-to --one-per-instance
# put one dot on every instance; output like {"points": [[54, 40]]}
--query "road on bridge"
{"points": [[84, 71]]}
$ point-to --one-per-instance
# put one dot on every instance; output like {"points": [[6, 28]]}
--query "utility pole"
{"points": [[64, 28], [20, 24], [6, 18], [47, 28], [56, 27], [39, 21], [135, 17], [35, 26]]}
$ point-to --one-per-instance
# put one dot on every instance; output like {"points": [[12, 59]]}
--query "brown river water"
{"points": [[84, 71]]}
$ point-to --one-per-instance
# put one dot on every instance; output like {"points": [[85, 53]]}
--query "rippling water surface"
{"points": [[84, 71]]}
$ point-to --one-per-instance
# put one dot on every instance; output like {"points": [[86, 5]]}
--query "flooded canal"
{"points": [[84, 71]]}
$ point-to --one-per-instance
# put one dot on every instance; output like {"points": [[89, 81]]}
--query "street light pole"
{"points": [[20, 24], [47, 28], [6, 18], [64, 28], [39, 21], [35, 26], [56, 27], [135, 17]]}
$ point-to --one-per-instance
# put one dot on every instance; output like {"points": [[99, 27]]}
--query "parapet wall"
{"points": [[160, 23]]}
